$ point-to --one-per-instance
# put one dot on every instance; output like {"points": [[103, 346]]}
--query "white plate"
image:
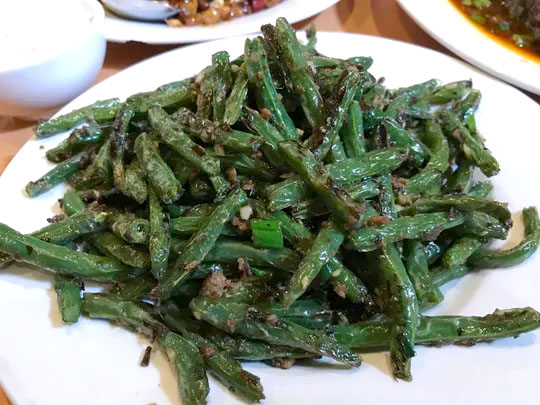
{"points": [[448, 26], [93, 362], [118, 29]]}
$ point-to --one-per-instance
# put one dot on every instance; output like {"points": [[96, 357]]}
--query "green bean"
{"points": [[222, 82], [276, 63], [59, 259], [266, 95], [288, 192], [118, 148], [187, 225], [417, 267], [460, 203], [461, 180], [81, 223], [227, 370], [135, 181], [372, 163], [420, 90], [337, 152], [98, 172], [65, 231], [481, 189], [200, 244], [241, 348], [386, 197], [159, 174], [486, 258], [400, 137], [190, 369], [467, 107], [402, 308], [442, 275], [189, 365], [482, 225], [176, 210], [204, 98], [228, 251], [100, 111], [458, 253], [215, 132], [249, 166], [344, 281], [450, 92], [473, 149], [340, 204], [441, 330], [114, 247], [253, 120], [221, 186], [170, 98], [420, 226], [130, 229], [72, 203], [179, 84], [58, 174], [89, 134], [321, 141], [171, 134], [312, 207], [310, 99], [237, 347], [352, 132], [251, 322], [271, 136], [233, 105], [324, 247], [68, 296], [127, 313], [137, 288], [437, 165], [159, 238]]}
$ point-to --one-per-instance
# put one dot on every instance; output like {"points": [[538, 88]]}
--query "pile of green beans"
{"points": [[281, 206]]}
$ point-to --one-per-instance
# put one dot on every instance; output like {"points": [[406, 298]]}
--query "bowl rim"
{"points": [[95, 26]]}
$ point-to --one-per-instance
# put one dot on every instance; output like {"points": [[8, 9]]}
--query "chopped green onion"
{"points": [[481, 3], [471, 123], [504, 26], [267, 234], [477, 18]]}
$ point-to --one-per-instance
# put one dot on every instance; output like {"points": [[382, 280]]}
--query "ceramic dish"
{"points": [[119, 29], [94, 362]]}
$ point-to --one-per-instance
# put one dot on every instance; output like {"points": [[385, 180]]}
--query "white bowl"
{"points": [[59, 76]]}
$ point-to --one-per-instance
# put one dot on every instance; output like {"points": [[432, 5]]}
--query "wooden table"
{"points": [[375, 17]]}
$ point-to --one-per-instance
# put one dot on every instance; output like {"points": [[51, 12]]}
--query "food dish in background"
{"points": [[455, 30], [516, 23], [119, 29], [195, 12], [493, 289]]}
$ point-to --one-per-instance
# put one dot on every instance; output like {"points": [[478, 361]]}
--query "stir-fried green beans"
{"points": [[284, 205]]}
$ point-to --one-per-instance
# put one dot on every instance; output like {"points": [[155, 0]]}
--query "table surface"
{"points": [[375, 17]]}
